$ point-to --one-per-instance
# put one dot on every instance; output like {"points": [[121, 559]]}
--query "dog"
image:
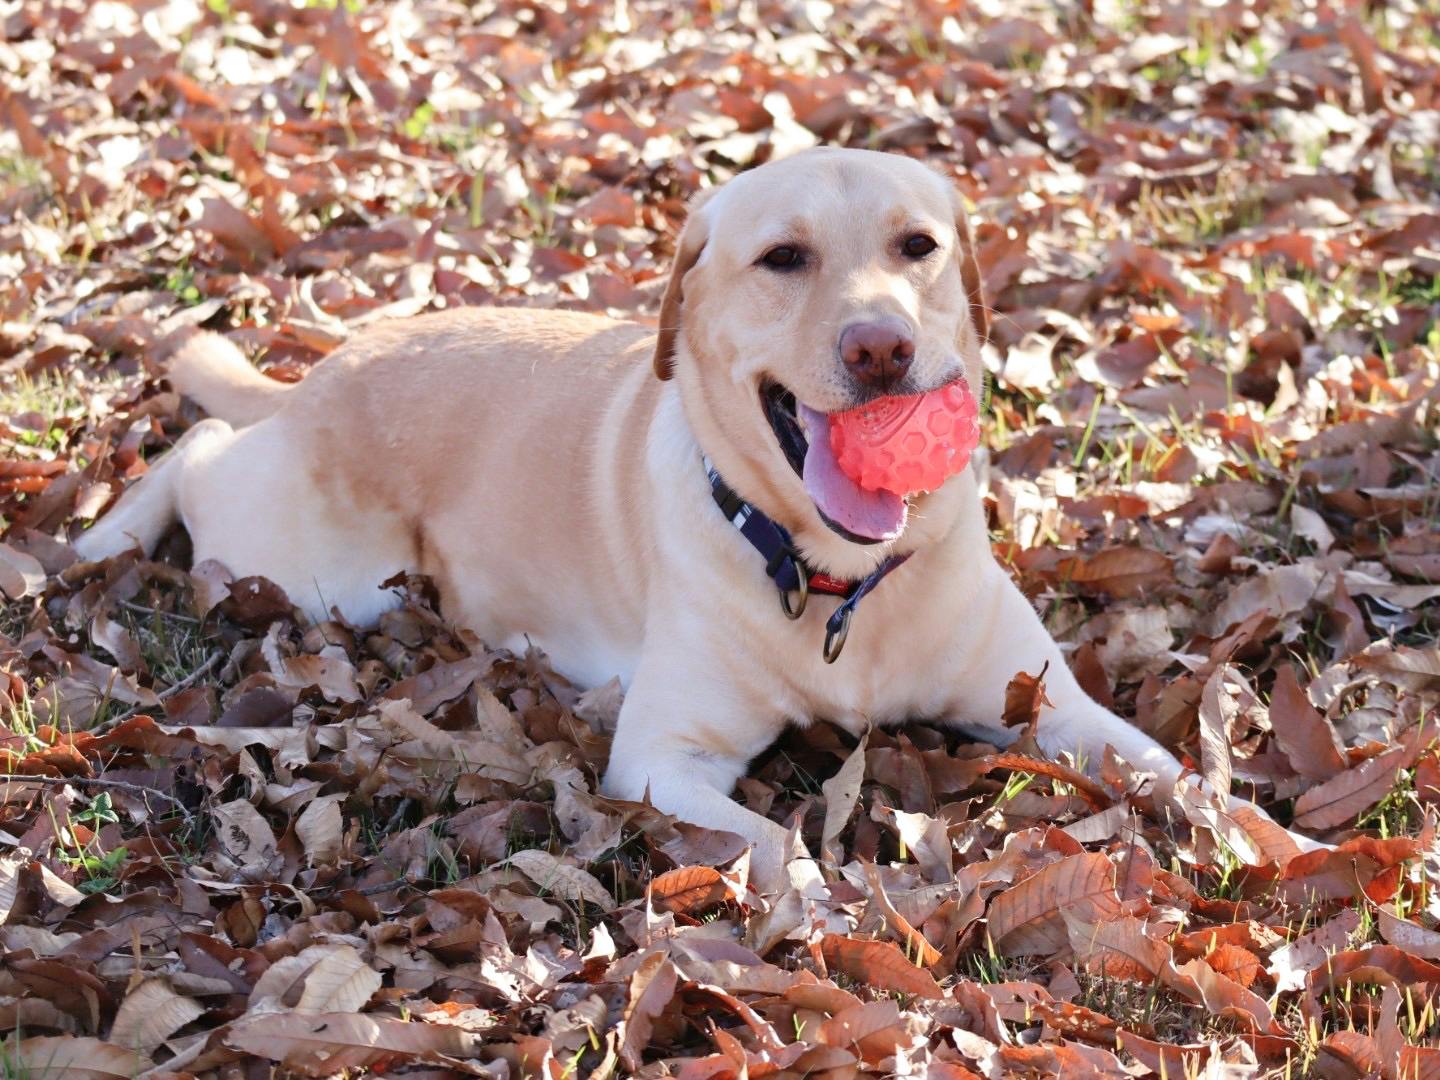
{"points": [[664, 507]]}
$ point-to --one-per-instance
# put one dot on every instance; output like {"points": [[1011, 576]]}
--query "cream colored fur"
{"points": [[535, 466]]}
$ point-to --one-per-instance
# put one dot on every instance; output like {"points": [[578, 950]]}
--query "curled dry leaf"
{"points": [[319, 827], [1256, 839], [21, 574], [1092, 792], [1024, 698], [689, 890], [842, 792], [651, 989], [1219, 707]]}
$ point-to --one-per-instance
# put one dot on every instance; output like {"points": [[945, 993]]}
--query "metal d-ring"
{"points": [[835, 636], [804, 591]]}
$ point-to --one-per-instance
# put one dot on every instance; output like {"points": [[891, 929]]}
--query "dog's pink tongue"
{"points": [[875, 515]]}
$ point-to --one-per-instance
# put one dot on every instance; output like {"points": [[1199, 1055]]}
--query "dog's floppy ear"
{"points": [[692, 242], [970, 271]]}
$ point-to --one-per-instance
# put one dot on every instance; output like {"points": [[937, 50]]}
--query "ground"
{"points": [[234, 845]]}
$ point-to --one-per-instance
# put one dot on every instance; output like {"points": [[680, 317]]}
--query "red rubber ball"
{"points": [[908, 444]]}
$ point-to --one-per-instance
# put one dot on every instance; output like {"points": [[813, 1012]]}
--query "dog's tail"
{"points": [[210, 369]]}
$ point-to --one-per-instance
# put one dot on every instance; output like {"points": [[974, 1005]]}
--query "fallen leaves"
{"points": [[380, 849]]}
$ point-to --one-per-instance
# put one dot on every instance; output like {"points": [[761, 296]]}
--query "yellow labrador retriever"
{"points": [[657, 507]]}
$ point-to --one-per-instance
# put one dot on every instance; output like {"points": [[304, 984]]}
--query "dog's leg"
{"points": [[1005, 636], [678, 740], [151, 505]]}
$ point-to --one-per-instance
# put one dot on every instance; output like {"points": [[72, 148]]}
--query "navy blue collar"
{"points": [[785, 566]]}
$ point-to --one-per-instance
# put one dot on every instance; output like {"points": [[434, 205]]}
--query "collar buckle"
{"points": [[837, 631], [797, 608], [784, 564]]}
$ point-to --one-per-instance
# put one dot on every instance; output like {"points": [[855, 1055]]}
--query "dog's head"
{"points": [[809, 286]]}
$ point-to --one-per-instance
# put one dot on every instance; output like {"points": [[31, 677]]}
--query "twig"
{"points": [[169, 692], [383, 887], [400, 812], [99, 782], [1087, 789], [141, 609]]}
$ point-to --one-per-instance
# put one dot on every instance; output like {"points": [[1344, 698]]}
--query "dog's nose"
{"points": [[877, 353]]}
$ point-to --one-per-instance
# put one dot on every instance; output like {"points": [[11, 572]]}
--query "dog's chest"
{"points": [[888, 672]]}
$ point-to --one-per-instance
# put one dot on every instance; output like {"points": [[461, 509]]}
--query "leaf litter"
{"points": [[232, 843]]}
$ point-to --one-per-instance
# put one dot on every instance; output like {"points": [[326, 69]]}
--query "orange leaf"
{"points": [[1235, 962], [880, 964], [688, 890], [1027, 918], [1024, 698]]}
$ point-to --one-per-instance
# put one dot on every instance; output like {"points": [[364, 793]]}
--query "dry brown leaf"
{"points": [[65, 1058], [1408, 934], [1219, 708], [323, 1044], [1256, 840], [245, 836], [1223, 996], [1361, 864], [1304, 735], [320, 979], [1280, 592], [1028, 917], [1088, 789], [561, 878], [651, 989], [341, 981], [915, 942], [320, 829], [1118, 948], [21, 574], [117, 641], [842, 792], [150, 1014], [1024, 698], [1123, 572], [880, 964], [10, 867], [1344, 797], [689, 890], [1236, 963]]}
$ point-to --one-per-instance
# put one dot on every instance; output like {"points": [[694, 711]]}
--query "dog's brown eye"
{"points": [[918, 246], [784, 257]]}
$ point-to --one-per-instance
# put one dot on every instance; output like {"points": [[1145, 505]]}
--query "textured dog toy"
{"points": [[907, 444]]}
